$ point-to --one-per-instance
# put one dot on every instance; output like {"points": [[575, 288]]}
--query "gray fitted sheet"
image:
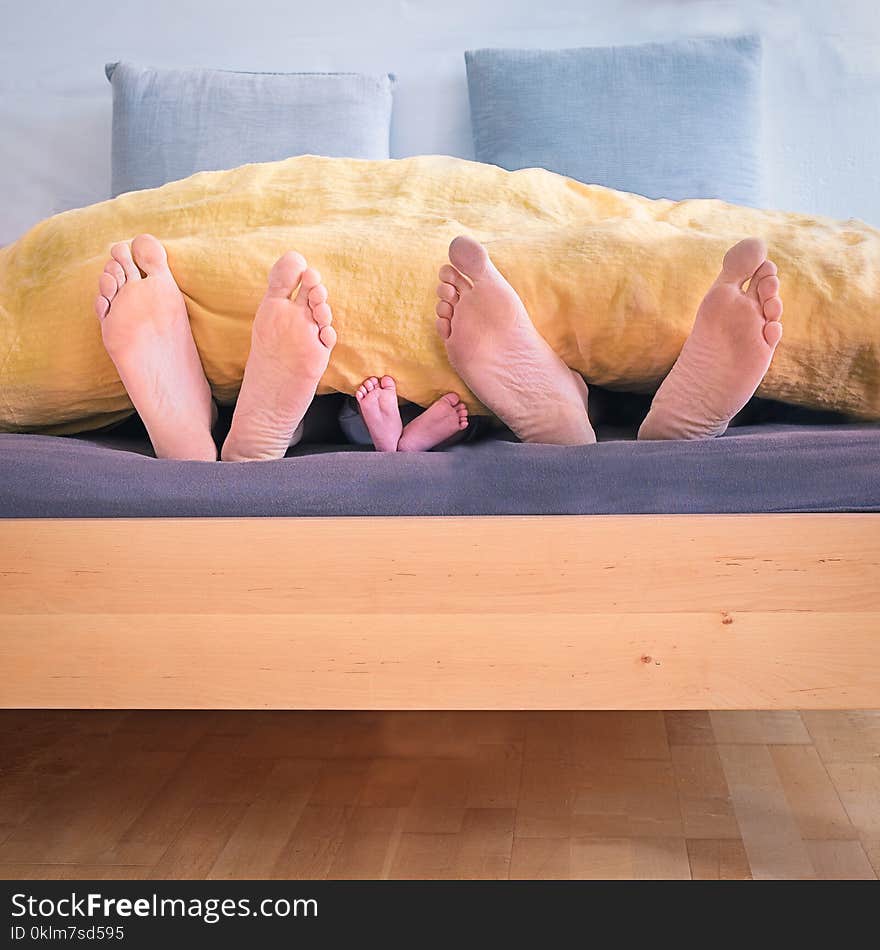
{"points": [[754, 468]]}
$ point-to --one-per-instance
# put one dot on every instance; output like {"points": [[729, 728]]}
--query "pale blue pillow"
{"points": [[666, 120], [170, 123]]}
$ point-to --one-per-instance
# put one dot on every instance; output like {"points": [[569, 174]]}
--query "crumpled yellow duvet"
{"points": [[612, 280]]}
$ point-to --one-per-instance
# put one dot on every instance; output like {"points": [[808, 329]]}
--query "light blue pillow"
{"points": [[170, 123], [666, 120]]}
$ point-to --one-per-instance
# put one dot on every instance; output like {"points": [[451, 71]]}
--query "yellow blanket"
{"points": [[612, 280]]}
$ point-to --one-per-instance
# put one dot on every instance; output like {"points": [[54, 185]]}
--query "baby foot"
{"points": [[377, 402], [495, 348], [291, 342], [728, 353], [436, 424], [146, 332]]}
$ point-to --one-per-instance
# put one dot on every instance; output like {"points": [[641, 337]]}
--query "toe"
{"points": [[448, 292], [767, 269], [444, 327], [773, 332], [773, 309], [327, 335], [470, 257], [310, 281], [114, 269], [444, 310], [322, 315], [452, 399], [102, 307], [286, 275], [371, 383], [768, 287], [449, 275], [149, 254], [107, 286], [387, 382], [317, 295], [742, 260], [121, 253]]}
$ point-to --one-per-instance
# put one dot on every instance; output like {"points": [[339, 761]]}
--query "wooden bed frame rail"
{"points": [[595, 612]]}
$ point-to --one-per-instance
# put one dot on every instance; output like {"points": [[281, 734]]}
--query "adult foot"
{"points": [[495, 348], [377, 401], [728, 352], [439, 422], [146, 332], [291, 342]]}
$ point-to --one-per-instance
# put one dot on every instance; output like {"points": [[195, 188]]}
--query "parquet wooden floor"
{"points": [[439, 794]]}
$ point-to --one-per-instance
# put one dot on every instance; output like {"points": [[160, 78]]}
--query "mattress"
{"points": [[767, 467]]}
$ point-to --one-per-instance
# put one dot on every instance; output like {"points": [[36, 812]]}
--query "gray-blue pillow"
{"points": [[170, 123], [665, 120]]}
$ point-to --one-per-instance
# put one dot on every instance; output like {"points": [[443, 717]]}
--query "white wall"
{"points": [[821, 104]]}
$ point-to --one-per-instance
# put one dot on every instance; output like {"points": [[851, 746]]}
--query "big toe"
{"points": [[149, 254], [742, 260], [286, 274], [470, 257], [387, 382]]}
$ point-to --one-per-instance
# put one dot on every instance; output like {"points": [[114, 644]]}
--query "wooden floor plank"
{"points": [[266, 825], [840, 861], [197, 845], [845, 735], [706, 805], [629, 858], [689, 727], [858, 785], [769, 831], [73, 872], [763, 727], [814, 801], [723, 859]]}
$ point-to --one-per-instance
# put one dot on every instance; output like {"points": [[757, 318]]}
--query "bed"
{"points": [[494, 575], [741, 573]]}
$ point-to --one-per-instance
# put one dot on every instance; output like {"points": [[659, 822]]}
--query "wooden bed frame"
{"points": [[586, 612]]}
